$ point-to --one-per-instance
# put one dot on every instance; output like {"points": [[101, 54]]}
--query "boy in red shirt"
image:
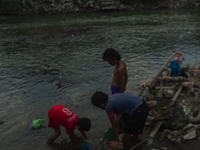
{"points": [[59, 115]]}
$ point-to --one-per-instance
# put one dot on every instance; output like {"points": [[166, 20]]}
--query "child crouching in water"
{"points": [[60, 115]]}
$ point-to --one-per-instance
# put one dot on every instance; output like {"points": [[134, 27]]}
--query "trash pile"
{"points": [[57, 6], [68, 6], [173, 97], [48, 6], [87, 145], [177, 92]]}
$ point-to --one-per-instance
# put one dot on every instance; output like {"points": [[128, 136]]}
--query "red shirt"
{"points": [[60, 115]]}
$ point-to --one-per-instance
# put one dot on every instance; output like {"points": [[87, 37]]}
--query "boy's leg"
{"points": [[121, 125], [135, 124], [126, 140], [53, 137], [135, 137]]}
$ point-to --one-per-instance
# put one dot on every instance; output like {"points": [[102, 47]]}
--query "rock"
{"points": [[190, 135]]}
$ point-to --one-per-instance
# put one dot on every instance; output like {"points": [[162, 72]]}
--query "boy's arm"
{"points": [[54, 136], [83, 134], [119, 118], [75, 136], [125, 77], [114, 143], [121, 81]]}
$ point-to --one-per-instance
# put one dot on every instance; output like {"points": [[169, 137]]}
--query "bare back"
{"points": [[120, 76]]}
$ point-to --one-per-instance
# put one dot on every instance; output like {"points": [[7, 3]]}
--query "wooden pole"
{"points": [[153, 132], [161, 70], [175, 96], [161, 89], [139, 144], [160, 96]]}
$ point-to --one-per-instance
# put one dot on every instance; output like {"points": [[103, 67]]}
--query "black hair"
{"points": [[99, 98], [84, 124], [110, 53]]}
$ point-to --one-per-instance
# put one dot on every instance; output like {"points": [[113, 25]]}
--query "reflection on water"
{"points": [[57, 59]]}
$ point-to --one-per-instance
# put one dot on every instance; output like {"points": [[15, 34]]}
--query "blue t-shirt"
{"points": [[121, 103]]}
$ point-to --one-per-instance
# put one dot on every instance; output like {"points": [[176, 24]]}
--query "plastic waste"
{"points": [[109, 135], [36, 124], [187, 84], [146, 93], [87, 145], [190, 135]]}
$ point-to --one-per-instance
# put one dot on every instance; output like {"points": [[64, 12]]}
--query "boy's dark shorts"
{"points": [[134, 124]]}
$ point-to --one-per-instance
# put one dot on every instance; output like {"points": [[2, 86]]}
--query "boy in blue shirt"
{"points": [[132, 109]]}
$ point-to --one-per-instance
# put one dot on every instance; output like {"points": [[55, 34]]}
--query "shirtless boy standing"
{"points": [[120, 76]]}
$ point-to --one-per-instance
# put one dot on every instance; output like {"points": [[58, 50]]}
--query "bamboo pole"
{"points": [[160, 96], [139, 144], [175, 96], [161, 89], [161, 70], [153, 132]]}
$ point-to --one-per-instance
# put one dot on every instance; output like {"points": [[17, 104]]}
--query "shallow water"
{"points": [[46, 60]]}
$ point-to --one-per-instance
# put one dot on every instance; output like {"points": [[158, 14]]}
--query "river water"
{"points": [[48, 60]]}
